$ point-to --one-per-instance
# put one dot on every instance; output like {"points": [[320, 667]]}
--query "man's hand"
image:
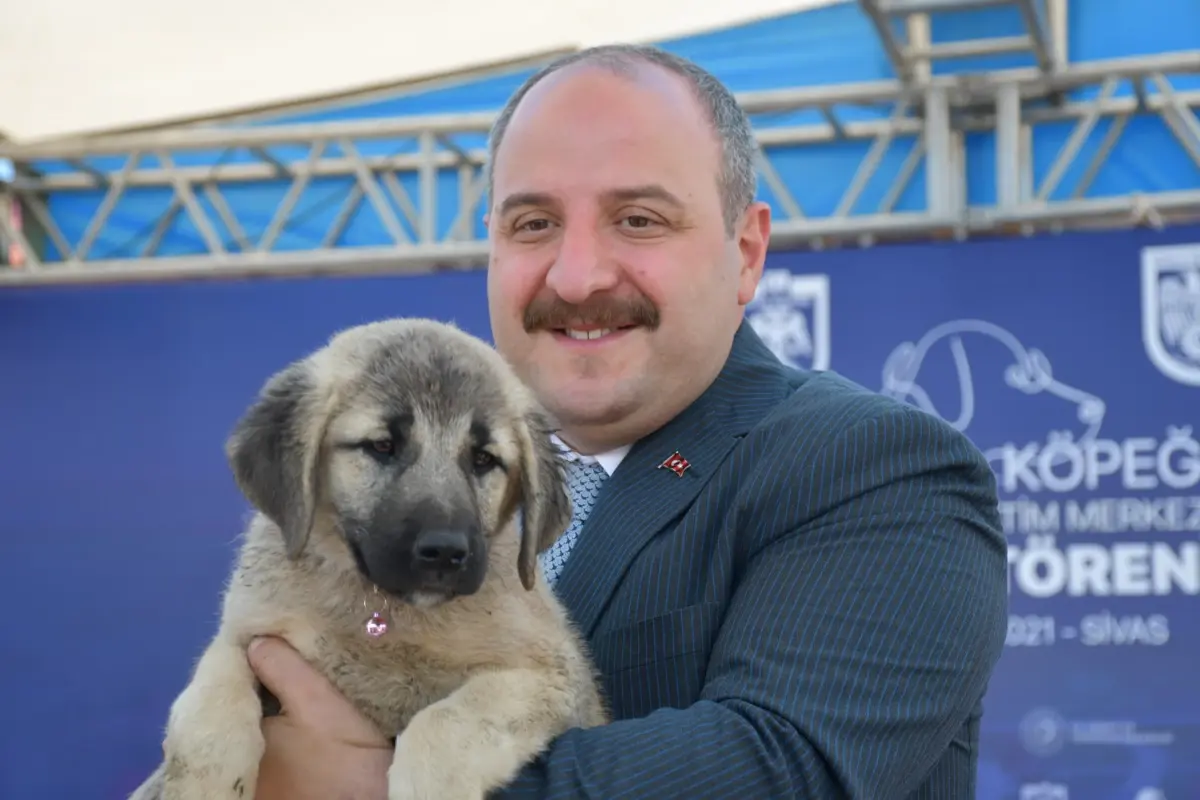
{"points": [[320, 747]]}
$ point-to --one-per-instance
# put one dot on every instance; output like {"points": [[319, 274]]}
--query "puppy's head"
{"points": [[418, 445]]}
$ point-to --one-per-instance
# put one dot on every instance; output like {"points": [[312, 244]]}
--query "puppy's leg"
{"points": [[214, 737], [151, 788], [478, 738]]}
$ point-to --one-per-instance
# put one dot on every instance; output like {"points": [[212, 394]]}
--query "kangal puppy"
{"points": [[404, 484]]}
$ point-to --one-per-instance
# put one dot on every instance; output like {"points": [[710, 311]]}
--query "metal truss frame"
{"points": [[933, 113], [1045, 35]]}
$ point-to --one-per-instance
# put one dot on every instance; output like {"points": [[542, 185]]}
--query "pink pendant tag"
{"points": [[377, 626]]}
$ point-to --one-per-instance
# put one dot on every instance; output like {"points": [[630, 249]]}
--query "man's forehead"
{"points": [[626, 73], [587, 93], [605, 137]]}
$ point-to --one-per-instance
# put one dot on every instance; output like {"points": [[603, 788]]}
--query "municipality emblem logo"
{"points": [[790, 313], [1043, 732], [1171, 310]]}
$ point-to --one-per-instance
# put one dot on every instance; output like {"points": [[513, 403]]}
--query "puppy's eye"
{"points": [[483, 462], [382, 447]]}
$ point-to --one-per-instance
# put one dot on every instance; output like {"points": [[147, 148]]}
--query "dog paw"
{"points": [[211, 762], [186, 783]]}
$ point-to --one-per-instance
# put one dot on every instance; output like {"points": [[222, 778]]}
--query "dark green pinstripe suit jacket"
{"points": [[813, 610]]}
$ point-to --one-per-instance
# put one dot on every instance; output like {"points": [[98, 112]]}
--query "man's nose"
{"points": [[582, 268]]}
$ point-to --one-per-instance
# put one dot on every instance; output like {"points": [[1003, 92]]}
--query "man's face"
{"points": [[614, 289]]}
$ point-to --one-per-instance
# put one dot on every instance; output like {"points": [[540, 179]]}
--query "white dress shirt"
{"points": [[608, 461]]}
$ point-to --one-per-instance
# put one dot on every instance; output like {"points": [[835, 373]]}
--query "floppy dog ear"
{"points": [[546, 504], [273, 453]]}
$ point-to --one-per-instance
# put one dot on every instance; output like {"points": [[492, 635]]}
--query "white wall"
{"points": [[69, 66]]}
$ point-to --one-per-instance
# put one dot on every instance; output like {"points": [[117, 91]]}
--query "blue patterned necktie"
{"points": [[584, 479]]}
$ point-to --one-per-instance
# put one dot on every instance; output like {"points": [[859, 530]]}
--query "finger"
{"points": [[305, 694], [286, 674], [285, 734], [304, 763]]}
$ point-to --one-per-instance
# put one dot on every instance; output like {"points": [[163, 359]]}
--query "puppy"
{"points": [[404, 486]]}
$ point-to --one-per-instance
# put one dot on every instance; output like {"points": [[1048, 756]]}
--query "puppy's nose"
{"points": [[442, 550]]}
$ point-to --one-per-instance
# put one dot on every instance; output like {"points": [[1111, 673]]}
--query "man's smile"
{"points": [[589, 337]]}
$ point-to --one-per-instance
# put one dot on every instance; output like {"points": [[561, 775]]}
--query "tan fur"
{"points": [[475, 686]]}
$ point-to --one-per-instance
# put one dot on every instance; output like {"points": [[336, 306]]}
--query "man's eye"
{"points": [[639, 222]]}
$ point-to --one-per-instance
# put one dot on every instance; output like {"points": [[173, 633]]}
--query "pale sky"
{"points": [[71, 66]]}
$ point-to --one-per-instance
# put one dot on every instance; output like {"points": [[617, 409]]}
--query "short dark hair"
{"points": [[737, 181]]}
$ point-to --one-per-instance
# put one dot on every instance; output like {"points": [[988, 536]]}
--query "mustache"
{"points": [[550, 313]]}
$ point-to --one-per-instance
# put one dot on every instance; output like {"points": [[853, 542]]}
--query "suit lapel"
{"points": [[642, 498]]}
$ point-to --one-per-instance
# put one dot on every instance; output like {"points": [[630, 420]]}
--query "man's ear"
{"points": [[545, 503], [753, 237], [273, 452]]}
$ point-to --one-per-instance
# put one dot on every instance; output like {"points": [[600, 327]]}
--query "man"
{"points": [[793, 587]]}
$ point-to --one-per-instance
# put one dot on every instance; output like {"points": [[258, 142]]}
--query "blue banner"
{"points": [[1072, 361]]}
